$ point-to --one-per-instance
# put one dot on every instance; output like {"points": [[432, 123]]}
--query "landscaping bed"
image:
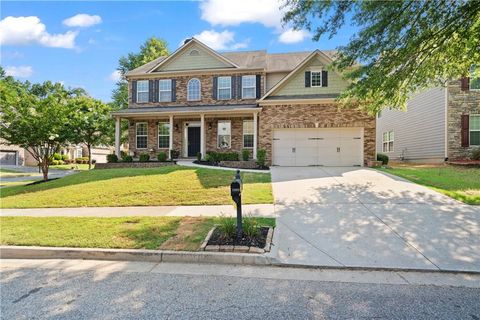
{"points": [[250, 164], [150, 164], [217, 240]]}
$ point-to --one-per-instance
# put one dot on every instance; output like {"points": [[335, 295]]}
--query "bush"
{"points": [[127, 158], [162, 156], [245, 154], [81, 160], [144, 157], [261, 158], [57, 156], [112, 158], [54, 162], [65, 157], [382, 157], [213, 156], [61, 162], [227, 226], [174, 154], [475, 154], [199, 156], [250, 227]]}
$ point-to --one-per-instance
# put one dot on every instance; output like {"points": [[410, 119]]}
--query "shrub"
{"points": [[162, 156], [112, 158], [65, 157], [213, 156], [54, 162], [57, 156], [382, 157], [250, 227], [144, 157], [123, 154], [261, 158], [245, 154], [199, 156], [475, 154], [127, 158], [60, 162], [81, 160], [227, 226], [174, 154]]}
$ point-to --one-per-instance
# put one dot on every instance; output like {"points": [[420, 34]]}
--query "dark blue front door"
{"points": [[193, 141]]}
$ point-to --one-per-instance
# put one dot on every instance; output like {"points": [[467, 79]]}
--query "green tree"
{"points": [[400, 47], [92, 123]]}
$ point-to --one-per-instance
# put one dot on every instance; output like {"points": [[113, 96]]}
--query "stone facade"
{"points": [[314, 116], [459, 103]]}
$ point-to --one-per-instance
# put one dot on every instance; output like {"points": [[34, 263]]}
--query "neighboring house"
{"points": [[11, 155], [198, 100], [439, 124]]}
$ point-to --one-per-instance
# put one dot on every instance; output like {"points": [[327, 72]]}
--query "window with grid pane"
{"points": [[387, 141], [248, 133], [316, 79], [474, 80], [164, 135], [248, 87], [165, 90], [142, 91], [474, 127], [142, 135], [224, 134], [193, 90], [224, 88]]}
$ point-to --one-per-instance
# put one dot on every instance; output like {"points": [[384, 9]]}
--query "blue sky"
{"points": [[84, 51]]}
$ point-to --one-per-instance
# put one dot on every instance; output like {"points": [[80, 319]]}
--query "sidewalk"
{"points": [[257, 210]]}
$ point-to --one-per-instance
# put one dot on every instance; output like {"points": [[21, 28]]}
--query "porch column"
{"points": [[117, 136], [170, 138], [202, 135], [255, 136]]}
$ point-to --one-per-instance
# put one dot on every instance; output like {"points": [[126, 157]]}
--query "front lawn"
{"points": [[168, 233], [72, 166], [172, 185], [459, 183]]}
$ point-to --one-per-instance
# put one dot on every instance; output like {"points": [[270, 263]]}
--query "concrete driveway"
{"points": [[361, 217]]}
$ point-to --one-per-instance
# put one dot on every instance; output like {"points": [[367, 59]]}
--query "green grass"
{"points": [[173, 233], [8, 173], [172, 185], [81, 166], [3, 170], [459, 183], [7, 184]]}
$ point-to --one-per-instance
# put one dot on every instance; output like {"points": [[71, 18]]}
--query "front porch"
{"points": [[189, 130]]}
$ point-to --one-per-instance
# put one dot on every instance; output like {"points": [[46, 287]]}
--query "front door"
{"points": [[193, 141]]}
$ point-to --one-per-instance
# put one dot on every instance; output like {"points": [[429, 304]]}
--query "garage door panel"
{"points": [[8, 157]]}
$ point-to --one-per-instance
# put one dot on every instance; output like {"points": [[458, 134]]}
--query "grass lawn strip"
{"points": [[72, 166], [172, 185], [168, 233], [459, 183]]}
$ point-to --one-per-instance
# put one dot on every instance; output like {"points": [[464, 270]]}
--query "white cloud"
{"points": [[28, 30], [115, 76], [293, 36], [19, 72], [82, 20], [224, 40]]}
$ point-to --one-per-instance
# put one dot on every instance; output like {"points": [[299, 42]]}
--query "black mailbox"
{"points": [[236, 193], [235, 189]]}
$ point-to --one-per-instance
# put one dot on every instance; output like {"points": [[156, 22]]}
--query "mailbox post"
{"points": [[236, 193]]}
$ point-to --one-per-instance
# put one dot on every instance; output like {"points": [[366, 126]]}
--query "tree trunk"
{"points": [[45, 169], [89, 156]]}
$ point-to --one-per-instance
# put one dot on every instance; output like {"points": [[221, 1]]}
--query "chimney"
{"points": [[186, 41]]}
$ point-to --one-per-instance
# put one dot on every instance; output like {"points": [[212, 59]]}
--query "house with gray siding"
{"points": [[440, 124]]}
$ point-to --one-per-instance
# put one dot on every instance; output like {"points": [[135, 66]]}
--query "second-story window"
{"points": [[248, 87], [474, 81], [165, 90], [142, 91], [193, 90], [316, 79], [224, 88]]}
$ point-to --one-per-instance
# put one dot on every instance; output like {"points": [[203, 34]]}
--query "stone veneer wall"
{"points": [[459, 102], [307, 116]]}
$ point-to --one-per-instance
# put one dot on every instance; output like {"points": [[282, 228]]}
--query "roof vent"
{"points": [[194, 52]]}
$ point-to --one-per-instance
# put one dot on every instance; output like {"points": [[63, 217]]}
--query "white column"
{"points": [[255, 136], [202, 135], [117, 136], [170, 138]]}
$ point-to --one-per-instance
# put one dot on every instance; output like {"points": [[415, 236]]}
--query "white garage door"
{"points": [[8, 157], [318, 147]]}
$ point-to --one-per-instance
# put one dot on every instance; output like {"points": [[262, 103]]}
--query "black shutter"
{"points": [[155, 91], [214, 88], [134, 91], [258, 86], [233, 83], [307, 79], [324, 78], [174, 90], [151, 84], [239, 87], [465, 83], [465, 131]]}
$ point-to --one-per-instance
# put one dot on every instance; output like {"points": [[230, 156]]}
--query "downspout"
{"points": [[446, 123]]}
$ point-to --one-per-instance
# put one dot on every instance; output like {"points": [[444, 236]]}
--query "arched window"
{"points": [[193, 90]]}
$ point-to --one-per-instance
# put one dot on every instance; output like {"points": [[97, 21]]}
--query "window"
{"points": [[142, 91], [387, 139], [165, 90], [142, 134], [194, 52], [78, 153], [474, 81], [316, 79], [248, 87], [164, 135], [224, 88], [193, 90], [248, 133], [224, 134], [474, 127]]}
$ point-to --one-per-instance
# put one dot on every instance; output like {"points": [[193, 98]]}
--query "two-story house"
{"points": [[198, 100]]}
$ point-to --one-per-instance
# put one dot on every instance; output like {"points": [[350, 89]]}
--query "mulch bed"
{"points": [[218, 238], [211, 164]]}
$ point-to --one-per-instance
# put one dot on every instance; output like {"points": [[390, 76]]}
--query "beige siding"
{"points": [[274, 78], [186, 61], [296, 84]]}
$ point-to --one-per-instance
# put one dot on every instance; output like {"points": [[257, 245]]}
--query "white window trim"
{"points": [[254, 87], [138, 91], [250, 134], [169, 91], [199, 90], [472, 68], [388, 141], [142, 135], [163, 135], [229, 89], [218, 135], [311, 78], [470, 130]]}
